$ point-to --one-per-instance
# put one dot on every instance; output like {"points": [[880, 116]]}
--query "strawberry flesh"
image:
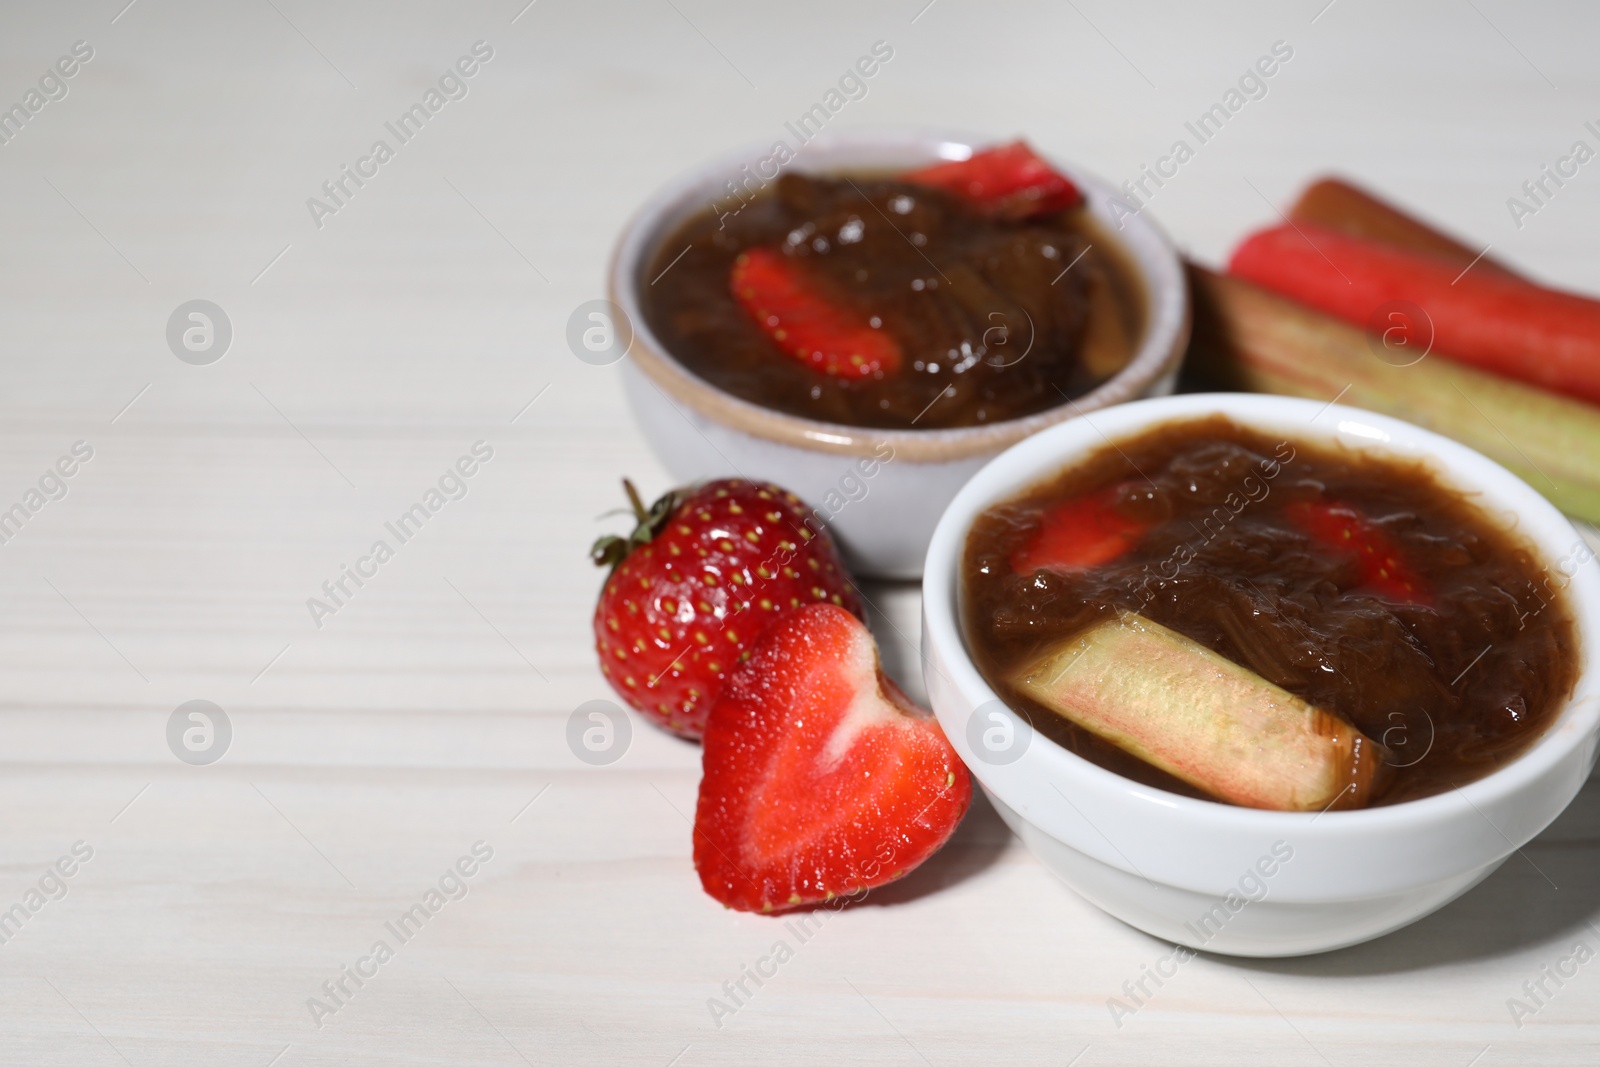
{"points": [[806, 323], [1080, 533], [821, 778], [1010, 181], [1348, 533]]}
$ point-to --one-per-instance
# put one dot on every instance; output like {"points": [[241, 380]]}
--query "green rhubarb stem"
{"points": [[1180, 707]]}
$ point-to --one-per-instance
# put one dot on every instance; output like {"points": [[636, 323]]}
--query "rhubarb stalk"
{"points": [[1348, 209], [1202, 718], [1248, 338]]}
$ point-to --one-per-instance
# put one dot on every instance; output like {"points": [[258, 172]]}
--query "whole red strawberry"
{"points": [[702, 576]]}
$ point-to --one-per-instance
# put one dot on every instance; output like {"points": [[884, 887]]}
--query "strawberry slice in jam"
{"points": [[805, 322], [1010, 181], [1346, 532], [1080, 533]]}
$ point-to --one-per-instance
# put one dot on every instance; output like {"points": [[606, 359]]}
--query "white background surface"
{"points": [[427, 713]]}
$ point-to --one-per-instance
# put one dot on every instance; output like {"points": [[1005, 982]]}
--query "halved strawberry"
{"points": [[804, 322], [1080, 533], [1009, 181], [821, 778], [1346, 532]]}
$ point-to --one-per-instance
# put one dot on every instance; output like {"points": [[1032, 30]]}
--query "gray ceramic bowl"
{"points": [[881, 492]]}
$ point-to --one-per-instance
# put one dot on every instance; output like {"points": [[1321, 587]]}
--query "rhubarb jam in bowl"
{"points": [[1263, 676], [869, 318]]}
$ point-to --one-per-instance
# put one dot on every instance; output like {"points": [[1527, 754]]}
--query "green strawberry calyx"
{"points": [[612, 549]]}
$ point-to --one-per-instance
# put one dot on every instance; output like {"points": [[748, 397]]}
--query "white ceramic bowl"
{"points": [[882, 513], [1166, 863]]}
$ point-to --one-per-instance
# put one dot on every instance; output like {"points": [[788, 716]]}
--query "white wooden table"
{"points": [[429, 712]]}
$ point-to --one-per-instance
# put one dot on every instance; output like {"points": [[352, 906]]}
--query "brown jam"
{"points": [[1451, 644], [997, 319]]}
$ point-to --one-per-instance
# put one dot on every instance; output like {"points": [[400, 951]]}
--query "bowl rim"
{"points": [[1154, 257], [1532, 517]]}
